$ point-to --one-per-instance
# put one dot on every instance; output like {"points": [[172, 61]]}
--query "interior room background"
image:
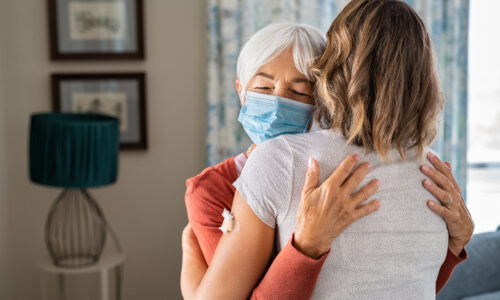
{"points": [[146, 205], [192, 108]]}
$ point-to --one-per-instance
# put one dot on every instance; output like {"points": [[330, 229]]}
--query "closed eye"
{"points": [[299, 93], [262, 88]]}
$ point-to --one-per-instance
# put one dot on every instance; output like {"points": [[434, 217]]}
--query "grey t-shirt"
{"points": [[393, 253]]}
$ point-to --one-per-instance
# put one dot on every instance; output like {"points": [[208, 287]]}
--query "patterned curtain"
{"points": [[448, 24], [231, 22]]}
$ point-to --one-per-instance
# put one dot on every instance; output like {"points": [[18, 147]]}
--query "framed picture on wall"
{"points": [[121, 95], [96, 29]]}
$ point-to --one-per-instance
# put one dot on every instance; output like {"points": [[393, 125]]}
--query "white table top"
{"points": [[106, 262]]}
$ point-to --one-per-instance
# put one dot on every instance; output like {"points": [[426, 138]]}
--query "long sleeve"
{"points": [[449, 264], [207, 195], [292, 275]]}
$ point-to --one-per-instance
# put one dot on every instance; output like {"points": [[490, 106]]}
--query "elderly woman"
{"points": [[266, 67], [323, 214]]}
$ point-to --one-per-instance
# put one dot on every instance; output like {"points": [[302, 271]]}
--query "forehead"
{"points": [[282, 63]]}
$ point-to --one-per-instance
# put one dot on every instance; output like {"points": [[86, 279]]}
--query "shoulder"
{"points": [[271, 148], [270, 157], [265, 182], [215, 181], [317, 141], [287, 147], [225, 170]]}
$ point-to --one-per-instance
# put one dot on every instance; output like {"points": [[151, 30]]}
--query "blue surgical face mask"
{"points": [[266, 116]]}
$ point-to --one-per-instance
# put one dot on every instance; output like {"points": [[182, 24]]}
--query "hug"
{"points": [[340, 195]]}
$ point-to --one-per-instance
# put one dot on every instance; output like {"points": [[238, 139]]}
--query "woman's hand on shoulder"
{"points": [[452, 207], [326, 211]]}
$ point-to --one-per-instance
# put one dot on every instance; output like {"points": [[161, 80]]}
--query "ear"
{"points": [[238, 89]]}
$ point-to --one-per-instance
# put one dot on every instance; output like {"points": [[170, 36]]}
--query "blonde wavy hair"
{"points": [[377, 81]]}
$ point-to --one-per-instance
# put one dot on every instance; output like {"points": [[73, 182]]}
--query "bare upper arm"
{"points": [[240, 258]]}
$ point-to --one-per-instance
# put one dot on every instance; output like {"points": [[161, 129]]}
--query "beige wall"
{"points": [[4, 216], [146, 205]]}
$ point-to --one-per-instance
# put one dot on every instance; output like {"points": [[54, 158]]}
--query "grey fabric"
{"points": [[487, 296], [479, 274], [393, 253]]}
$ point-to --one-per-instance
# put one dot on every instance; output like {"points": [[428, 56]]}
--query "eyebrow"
{"points": [[269, 76], [265, 75], [300, 79]]}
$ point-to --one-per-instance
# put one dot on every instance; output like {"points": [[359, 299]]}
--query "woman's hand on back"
{"points": [[326, 211], [456, 215]]}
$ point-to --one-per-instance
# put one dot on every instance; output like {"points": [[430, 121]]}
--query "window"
{"points": [[483, 187]]}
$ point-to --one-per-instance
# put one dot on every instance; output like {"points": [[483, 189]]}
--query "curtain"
{"points": [[229, 25], [448, 24], [231, 22]]}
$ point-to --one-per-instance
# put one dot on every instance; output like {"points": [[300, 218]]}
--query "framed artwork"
{"points": [[96, 29], [121, 95]]}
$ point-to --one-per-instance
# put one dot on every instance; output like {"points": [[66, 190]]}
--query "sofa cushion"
{"points": [[480, 273], [487, 296]]}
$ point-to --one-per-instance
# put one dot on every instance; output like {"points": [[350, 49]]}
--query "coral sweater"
{"points": [[292, 274]]}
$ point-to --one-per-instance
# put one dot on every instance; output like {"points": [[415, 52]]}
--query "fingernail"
{"points": [[427, 183], [369, 165], [378, 182], [425, 168], [310, 163], [430, 154], [379, 203], [356, 157], [431, 203]]}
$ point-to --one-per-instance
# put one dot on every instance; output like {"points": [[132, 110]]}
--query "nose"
{"points": [[280, 90]]}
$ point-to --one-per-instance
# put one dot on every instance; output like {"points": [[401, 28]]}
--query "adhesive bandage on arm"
{"points": [[229, 224]]}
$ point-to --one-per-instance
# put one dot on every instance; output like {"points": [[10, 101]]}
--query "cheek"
{"points": [[307, 100]]}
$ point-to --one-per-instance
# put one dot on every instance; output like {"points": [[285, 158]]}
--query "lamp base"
{"points": [[75, 231]]}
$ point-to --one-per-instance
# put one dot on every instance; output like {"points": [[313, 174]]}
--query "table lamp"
{"points": [[74, 152]]}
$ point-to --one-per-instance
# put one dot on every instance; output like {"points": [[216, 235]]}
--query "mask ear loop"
{"points": [[229, 224], [309, 122]]}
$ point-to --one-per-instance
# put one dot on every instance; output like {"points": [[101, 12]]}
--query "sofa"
{"points": [[477, 278]]}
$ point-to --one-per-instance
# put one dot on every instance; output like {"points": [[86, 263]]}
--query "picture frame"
{"points": [[121, 95], [96, 29]]}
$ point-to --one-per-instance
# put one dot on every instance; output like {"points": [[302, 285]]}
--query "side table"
{"points": [[107, 262]]}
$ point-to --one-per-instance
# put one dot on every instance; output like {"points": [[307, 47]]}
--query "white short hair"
{"points": [[308, 43]]}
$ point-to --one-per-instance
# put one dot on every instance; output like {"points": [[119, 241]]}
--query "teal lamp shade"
{"points": [[71, 150]]}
